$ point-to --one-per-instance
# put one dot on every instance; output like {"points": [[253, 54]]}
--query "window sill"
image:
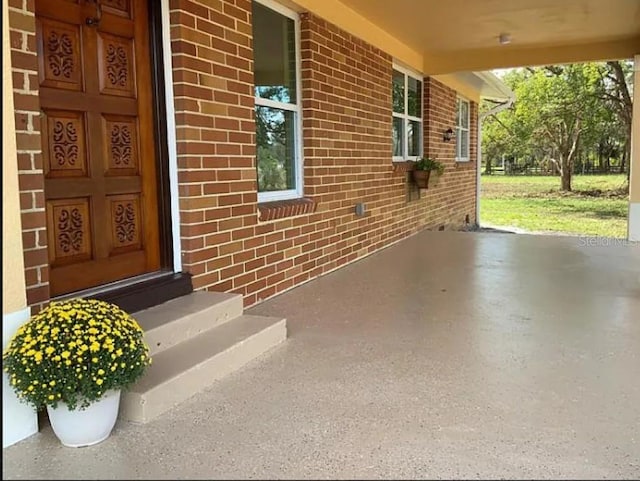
{"points": [[403, 166], [280, 209]]}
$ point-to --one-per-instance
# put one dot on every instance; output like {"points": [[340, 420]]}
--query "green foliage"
{"points": [[274, 139], [73, 352], [426, 163], [565, 117], [271, 173]]}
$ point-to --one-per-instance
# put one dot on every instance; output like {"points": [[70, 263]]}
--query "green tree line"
{"points": [[565, 119]]}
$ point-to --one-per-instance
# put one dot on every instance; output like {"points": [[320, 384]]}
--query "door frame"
{"points": [[162, 72]]}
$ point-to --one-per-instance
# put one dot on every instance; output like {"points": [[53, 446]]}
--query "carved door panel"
{"points": [[97, 141]]}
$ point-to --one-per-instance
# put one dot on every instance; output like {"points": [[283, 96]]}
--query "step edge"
{"points": [[233, 299], [134, 402], [275, 325]]}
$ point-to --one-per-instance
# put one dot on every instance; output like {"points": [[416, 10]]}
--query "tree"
{"points": [[617, 81], [558, 101], [274, 144], [563, 114]]}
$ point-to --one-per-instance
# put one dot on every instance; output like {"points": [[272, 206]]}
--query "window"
{"points": [[277, 97], [407, 115], [462, 131]]}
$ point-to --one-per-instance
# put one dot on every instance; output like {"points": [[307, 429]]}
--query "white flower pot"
{"points": [[85, 427]]}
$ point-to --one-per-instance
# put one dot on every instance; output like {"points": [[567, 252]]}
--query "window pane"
{"points": [[464, 144], [464, 114], [398, 137], [413, 138], [414, 100], [458, 142], [276, 149], [398, 92], [274, 51]]}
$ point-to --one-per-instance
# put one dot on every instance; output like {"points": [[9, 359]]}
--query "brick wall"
{"points": [[22, 26], [346, 90], [455, 195], [213, 88]]}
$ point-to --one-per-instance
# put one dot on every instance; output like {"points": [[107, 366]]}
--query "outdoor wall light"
{"points": [[447, 135]]}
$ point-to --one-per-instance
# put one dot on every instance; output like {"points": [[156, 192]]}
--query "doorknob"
{"points": [[94, 21]]}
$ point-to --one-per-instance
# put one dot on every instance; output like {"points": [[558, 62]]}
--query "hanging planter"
{"points": [[426, 170], [421, 178]]}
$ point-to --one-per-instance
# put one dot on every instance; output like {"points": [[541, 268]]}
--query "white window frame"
{"points": [[295, 108], [406, 117], [461, 130]]}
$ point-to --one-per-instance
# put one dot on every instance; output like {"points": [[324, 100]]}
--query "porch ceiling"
{"points": [[462, 35]]}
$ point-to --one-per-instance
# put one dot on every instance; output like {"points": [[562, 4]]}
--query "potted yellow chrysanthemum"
{"points": [[74, 357]]}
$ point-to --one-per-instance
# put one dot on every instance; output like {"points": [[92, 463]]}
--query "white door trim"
{"points": [[171, 137]]}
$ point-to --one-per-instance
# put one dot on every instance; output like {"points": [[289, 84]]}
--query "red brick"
{"points": [[36, 295], [346, 98]]}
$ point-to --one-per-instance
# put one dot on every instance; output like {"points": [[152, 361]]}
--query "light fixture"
{"points": [[447, 135], [504, 39]]}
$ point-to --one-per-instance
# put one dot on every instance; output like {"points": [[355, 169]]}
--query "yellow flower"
{"points": [[100, 372], [52, 383], [49, 350], [38, 356], [30, 388], [95, 347], [51, 397], [94, 359], [65, 354], [99, 382]]}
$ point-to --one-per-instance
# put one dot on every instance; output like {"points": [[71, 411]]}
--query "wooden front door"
{"points": [[97, 141]]}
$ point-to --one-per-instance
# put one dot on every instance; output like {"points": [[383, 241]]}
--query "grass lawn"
{"points": [[597, 206]]}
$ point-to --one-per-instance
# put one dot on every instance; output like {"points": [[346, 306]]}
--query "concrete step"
{"points": [[181, 371], [177, 320]]}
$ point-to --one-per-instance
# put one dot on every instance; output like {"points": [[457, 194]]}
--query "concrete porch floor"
{"points": [[448, 355]]}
